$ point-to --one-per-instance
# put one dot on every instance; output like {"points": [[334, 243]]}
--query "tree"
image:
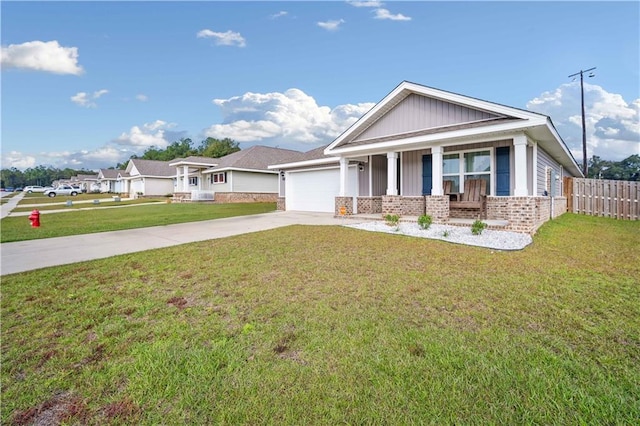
{"points": [[216, 148], [627, 169]]}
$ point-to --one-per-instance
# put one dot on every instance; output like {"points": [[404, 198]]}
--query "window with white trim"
{"points": [[193, 181], [461, 166], [218, 177]]}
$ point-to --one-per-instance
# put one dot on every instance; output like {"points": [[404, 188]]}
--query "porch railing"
{"points": [[201, 195]]}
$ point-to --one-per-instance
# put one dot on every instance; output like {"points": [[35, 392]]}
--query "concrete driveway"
{"points": [[24, 256]]}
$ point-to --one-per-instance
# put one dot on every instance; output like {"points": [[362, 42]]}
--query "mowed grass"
{"points": [[18, 228], [102, 203], [331, 325]]}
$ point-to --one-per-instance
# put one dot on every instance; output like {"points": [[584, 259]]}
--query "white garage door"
{"points": [[315, 190]]}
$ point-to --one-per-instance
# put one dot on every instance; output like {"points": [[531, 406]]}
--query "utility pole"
{"points": [[584, 130]]}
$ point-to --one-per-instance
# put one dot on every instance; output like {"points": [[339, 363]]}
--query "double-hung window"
{"points": [[218, 177], [193, 181], [460, 166]]}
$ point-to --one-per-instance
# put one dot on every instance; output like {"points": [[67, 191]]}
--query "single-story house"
{"points": [[397, 157], [243, 176], [147, 178], [108, 180]]}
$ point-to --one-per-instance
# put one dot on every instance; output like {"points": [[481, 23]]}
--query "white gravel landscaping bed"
{"points": [[499, 240]]}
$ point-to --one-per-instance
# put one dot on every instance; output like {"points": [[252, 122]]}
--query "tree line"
{"points": [[44, 176]]}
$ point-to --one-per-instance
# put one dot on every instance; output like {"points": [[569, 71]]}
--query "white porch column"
{"points": [[185, 181], [392, 173], [344, 173], [436, 170], [520, 166], [177, 186]]}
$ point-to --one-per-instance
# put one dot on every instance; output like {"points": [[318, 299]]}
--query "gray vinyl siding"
{"points": [[544, 161], [254, 182], [417, 112], [363, 180], [412, 172], [379, 177]]}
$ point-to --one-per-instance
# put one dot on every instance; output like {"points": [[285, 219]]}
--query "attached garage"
{"points": [[315, 190]]}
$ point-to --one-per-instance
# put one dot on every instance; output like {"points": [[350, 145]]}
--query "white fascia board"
{"points": [[191, 163], [564, 147], [306, 163], [225, 169], [405, 88], [438, 138]]}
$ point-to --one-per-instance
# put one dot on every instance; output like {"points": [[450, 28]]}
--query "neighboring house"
{"points": [[108, 180], [148, 178], [417, 137], [241, 176], [87, 183]]}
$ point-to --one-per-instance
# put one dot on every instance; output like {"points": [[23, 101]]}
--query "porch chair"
{"points": [[447, 186], [473, 197]]}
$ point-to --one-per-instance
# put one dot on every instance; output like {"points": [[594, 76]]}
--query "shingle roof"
{"points": [[196, 160], [257, 157], [151, 167], [110, 173]]}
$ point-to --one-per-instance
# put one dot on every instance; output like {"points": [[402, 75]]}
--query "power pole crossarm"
{"points": [[584, 129]]}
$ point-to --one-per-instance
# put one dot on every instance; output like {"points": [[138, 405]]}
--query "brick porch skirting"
{"points": [[347, 203], [369, 205], [246, 197]]}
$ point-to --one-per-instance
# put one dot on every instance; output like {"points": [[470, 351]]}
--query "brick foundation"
{"points": [[392, 204], [246, 197], [369, 205], [347, 203], [524, 214], [281, 204], [413, 206], [437, 206]]}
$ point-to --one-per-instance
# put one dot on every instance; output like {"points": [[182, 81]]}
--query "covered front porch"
{"points": [[412, 183]]}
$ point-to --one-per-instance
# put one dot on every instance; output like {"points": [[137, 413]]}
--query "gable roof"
{"points": [[108, 173], [151, 168], [194, 161], [257, 158], [314, 157], [439, 117]]}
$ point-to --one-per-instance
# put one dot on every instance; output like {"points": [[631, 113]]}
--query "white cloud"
{"points": [[142, 98], [385, 14], [18, 160], [42, 56], [228, 38], [84, 99], [150, 134], [292, 117], [612, 124], [365, 3], [279, 14], [331, 25]]}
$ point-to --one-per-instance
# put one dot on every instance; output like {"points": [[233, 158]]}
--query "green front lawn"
{"points": [[18, 228], [331, 325]]}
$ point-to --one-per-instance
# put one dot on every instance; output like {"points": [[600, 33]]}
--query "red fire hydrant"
{"points": [[34, 217]]}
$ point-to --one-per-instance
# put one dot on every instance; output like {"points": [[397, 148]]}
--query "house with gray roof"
{"points": [[108, 181], [422, 150], [148, 178], [243, 176]]}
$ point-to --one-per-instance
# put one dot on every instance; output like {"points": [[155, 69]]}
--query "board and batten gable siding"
{"points": [[418, 112], [254, 182], [545, 162]]}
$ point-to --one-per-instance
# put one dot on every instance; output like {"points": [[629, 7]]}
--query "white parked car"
{"points": [[35, 188], [62, 190]]}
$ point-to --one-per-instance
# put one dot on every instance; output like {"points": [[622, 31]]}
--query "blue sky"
{"points": [[88, 84]]}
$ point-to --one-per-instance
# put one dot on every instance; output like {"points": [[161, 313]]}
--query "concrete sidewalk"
{"points": [[24, 256]]}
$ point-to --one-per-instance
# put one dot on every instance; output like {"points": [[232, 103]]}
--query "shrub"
{"points": [[392, 220], [478, 227], [424, 221]]}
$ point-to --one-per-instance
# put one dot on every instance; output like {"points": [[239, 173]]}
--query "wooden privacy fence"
{"points": [[608, 198]]}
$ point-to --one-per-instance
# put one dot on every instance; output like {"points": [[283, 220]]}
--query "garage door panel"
{"points": [[315, 190]]}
